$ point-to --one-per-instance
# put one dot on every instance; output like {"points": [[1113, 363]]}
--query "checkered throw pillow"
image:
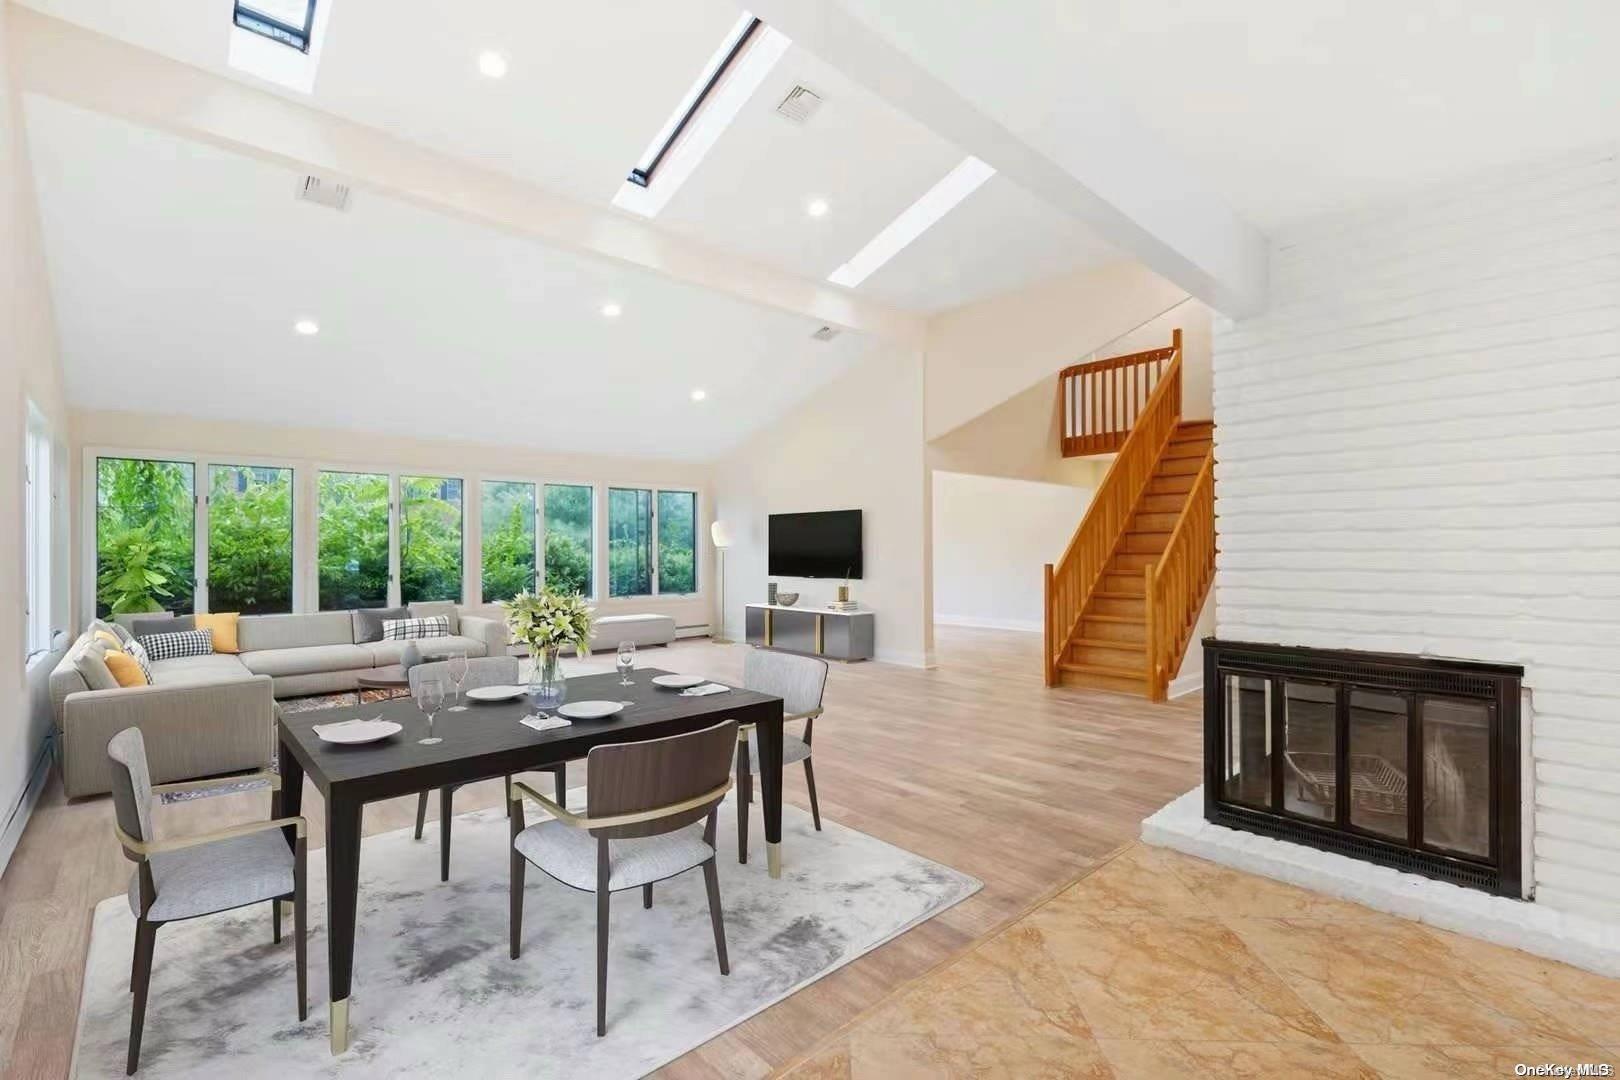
{"points": [[183, 643], [137, 652], [411, 629]]}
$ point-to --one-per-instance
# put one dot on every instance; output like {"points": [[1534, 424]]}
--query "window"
{"points": [[429, 539], [507, 520], [630, 542], [290, 22], [37, 523], [146, 534], [570, 539], [353, 546], [677, 542], [250, 539]]}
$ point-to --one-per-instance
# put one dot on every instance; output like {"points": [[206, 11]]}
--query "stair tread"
{"points": [[1114, 618], [1106, 643], [1102, 669], [1102, 594]]}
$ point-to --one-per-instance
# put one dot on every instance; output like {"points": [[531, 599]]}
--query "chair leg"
{"points": [[514, 813], [445, 795], [810, 782], [508, 781], [601, 958], [646, 896], [711, 880], [145, 941], [421, 813], [301, 924], [744, 782], [559, 778], [275, 922]]}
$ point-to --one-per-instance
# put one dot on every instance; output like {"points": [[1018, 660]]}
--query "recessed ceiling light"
{"points": [[699, 395], [492, 64], [913, 221], [611, 310], [816, 208], [307, 327]]}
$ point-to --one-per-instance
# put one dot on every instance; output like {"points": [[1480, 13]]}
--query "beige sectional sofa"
{"points": [[205, 715]]}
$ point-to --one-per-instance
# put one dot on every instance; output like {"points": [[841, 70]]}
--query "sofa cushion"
{"points": [[147, 625], [427, 609], [90, 659], [608, 630], [257, 633], [368, 622], [384, 653], [309, 660], [434, 626], [223, 625], [197, 670], [186, 643], [124, 668]]}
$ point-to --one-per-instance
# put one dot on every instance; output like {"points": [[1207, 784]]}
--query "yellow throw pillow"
{"points": [[111, 641], [223, 624], [125, 669]]}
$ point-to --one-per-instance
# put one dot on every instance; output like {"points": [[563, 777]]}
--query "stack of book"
{"points": [[844, 605]]}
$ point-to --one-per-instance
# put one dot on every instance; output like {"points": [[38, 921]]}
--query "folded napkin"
{"points": [[542, 722], [705, 690], [340, 725]]}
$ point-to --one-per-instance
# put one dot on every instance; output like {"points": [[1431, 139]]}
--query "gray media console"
{"points": [[837, 635]]}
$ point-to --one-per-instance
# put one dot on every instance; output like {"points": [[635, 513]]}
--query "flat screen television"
{"points": [[820, 545]]}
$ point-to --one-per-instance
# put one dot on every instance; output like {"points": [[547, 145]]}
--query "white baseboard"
{"points": [[1186, 684], [905, 659], [982, 623], [25, 806]]}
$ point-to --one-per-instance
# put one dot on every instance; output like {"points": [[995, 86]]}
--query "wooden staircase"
{"points": [[1122, 602]]}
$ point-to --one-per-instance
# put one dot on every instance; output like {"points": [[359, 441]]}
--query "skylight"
{"points": [[291, 22], [913, 221], [746, 55]]}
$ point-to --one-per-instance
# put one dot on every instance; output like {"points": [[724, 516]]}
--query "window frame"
{"points": [[199, 536], [476, 485], [205, 489], [273, 29], [397, 536], [39, 504], [655, 490]]}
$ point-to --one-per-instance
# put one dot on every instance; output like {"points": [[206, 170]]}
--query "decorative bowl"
{"points": [[787, 599]]}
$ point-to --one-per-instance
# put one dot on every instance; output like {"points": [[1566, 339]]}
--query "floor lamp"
{"points": [[721, 535]]}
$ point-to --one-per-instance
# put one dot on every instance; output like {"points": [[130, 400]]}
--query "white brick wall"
{"points": [[1418, 450]]}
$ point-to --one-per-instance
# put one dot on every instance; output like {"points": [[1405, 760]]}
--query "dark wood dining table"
{"points": [[485, 742]]}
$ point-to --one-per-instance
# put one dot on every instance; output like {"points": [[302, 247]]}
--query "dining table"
{"points": [[485, 742]]}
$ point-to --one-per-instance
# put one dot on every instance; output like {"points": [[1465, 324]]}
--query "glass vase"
{"points": [[547, 686]]}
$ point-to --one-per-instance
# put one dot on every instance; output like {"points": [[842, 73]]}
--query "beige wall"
{"points": [[1018, 439], [310, 449], [857, 443], [29, 371]]}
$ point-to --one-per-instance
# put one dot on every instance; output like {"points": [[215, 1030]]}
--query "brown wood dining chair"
{"points": [[200, 875], [481, 671], [643, 800], [800, 681]]}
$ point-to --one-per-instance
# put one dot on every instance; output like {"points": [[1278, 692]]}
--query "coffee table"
{"points": [[484, 742], [391, 678]]}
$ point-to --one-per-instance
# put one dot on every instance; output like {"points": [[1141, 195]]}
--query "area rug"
{"points": [[436, 993]]}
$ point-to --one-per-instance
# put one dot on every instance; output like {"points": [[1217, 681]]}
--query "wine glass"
{"points": [[457, 667], [627, 661], [430, 699]]}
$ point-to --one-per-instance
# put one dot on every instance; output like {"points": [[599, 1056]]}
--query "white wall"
{"points": [[992, 535], [28, 371], [855, 444], [1418, 450]]}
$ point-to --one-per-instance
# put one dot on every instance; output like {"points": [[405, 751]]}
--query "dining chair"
{"points": [[642, 803], [200, 875], [481, 671], [800, 682]]}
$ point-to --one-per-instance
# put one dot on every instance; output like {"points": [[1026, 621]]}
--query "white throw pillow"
{"points": [[90, 660], [412, 629]]}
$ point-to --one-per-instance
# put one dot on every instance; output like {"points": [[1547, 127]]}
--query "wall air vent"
{"points": [[826, 333], [800, 104], [324, 192]]}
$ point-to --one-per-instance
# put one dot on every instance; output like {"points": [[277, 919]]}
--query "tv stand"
{"points": [[836, 635]]}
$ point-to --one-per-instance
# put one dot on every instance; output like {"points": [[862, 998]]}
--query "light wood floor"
{"points": [[974, 764]]}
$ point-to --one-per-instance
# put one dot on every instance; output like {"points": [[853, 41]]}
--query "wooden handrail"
{"points": [[1075, 576], [1102, 399], [1175, 584]]}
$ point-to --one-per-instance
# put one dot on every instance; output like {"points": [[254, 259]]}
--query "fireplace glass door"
{"points": [[1310, 748], [1378, 762], [1457, 808], [1246, 774]]}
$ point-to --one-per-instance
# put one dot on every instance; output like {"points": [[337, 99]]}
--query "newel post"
{"points": [[1048, 633], [1151, 628]]}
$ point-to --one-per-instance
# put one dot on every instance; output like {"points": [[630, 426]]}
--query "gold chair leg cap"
{"points": [[338, 1014], [773, 859]]}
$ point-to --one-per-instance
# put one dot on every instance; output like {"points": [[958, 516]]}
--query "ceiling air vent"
{"points": [[324, 192], [826, 333], [800, 104]]}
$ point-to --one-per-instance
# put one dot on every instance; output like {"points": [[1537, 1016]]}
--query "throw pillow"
{"points": [[411, 629], [159, 624], [174, 646], [113, 642], [90, 660], [223, 624], [126, 670], [427, 609], [138, 651], [368, 622], [124, 636]]}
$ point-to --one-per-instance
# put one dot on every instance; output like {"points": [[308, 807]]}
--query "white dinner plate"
{"points": [[497, 693], [589, 710], [678, 682], [357, 731]]}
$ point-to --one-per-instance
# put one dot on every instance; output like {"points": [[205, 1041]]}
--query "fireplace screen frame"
{"points": [[1411, 678]]}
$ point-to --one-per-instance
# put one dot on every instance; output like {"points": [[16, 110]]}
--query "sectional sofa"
{"points": [[205, 715]]}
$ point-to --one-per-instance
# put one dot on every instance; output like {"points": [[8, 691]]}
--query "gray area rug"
{"points": [[437, 994]]}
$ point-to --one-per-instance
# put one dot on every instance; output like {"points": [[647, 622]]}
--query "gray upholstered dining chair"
{"points": [[481, 671], [800, 682], [199, 875], [643, 800]]}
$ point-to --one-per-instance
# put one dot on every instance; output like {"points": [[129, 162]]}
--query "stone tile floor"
{"points": [[1159, 965]]}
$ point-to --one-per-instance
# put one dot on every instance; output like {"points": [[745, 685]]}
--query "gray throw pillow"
{"points": [[368, 622], [159, 624]]}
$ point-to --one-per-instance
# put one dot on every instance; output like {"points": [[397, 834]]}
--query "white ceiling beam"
{"points": [[997, 80], [82, 68]]}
